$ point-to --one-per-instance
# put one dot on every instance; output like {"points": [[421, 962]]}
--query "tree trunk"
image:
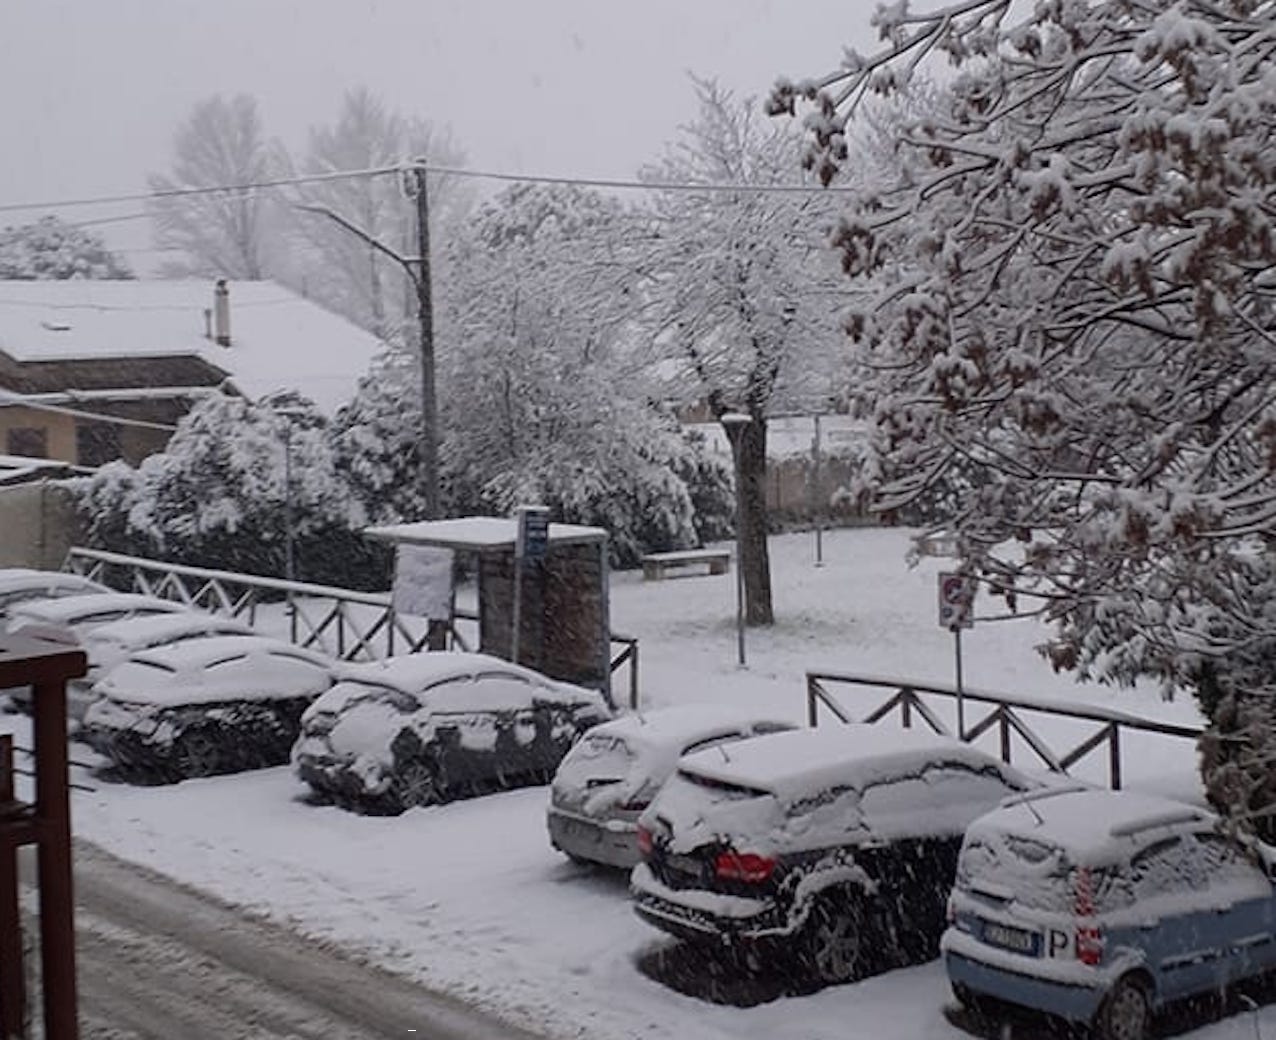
{"points": [[749, 450]]}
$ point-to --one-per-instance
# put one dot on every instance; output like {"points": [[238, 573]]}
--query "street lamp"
{"points": [[734, 423]]}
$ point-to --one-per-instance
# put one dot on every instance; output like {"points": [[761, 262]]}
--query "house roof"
{"points": [[279, 340]]}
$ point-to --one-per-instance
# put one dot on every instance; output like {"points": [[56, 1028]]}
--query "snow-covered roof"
{"points": [[16, 469], [477, 533], [219, 668], [1092, 826], [278, 340], [69, 609], [158, 628], [195, 654], [413, 672], [850, 754], [683, 724], [793, 436]]}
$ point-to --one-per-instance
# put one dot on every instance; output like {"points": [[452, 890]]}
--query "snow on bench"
{"points": [[654, 565]]}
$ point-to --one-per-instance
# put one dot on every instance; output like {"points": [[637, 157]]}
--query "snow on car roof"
{"points": [[68, 608], [412, 672], [851, 754], [682, 723], [187, 673], [141, 630], [13, 579], [194, 654], [1091, 826]]}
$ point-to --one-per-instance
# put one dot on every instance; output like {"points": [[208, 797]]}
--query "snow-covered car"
{"points": [[85, 611], [829, 851], [220, 704], [71, 618], [20, 584], [109, 644], [1103, 906], [610, 776], [428, 727]]}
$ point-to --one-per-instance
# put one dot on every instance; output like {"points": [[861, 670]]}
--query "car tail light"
{"points": [[644, 841], [1088, 936], [743, 866]]}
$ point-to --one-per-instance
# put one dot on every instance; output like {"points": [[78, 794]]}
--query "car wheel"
{"points": [[415, 783], [197, 753], [836, 943], [973, 1002], [1126, 1012]]}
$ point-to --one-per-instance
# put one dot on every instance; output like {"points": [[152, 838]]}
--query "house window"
{"points": [[31, 442], [96, 443]]}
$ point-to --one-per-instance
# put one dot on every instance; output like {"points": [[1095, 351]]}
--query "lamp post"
{"points": [[734, 423]]}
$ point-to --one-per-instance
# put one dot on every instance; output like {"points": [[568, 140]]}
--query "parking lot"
{"points": [[470, 898]]}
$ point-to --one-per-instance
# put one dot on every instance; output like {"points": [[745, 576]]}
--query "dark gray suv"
{"points": [[833, 847]]}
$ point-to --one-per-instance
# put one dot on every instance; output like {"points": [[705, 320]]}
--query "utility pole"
{"points": [[425, 320], [414, 182]]}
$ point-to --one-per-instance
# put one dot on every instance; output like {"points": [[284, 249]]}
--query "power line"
{"points": [[618, 184], [170, 193]]}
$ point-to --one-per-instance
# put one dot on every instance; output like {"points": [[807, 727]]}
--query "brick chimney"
{"points": [[221, 313]]}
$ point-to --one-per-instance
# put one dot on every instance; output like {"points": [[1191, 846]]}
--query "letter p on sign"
{"points": [[956, 600]]}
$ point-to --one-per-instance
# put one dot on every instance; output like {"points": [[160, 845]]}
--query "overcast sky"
{"points": [[93, 89]]}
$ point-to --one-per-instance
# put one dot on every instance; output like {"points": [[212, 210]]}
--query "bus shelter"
{"points": [[542, 590]]}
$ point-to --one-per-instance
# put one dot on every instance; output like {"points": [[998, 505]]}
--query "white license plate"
{"points": [[1007, 938]]}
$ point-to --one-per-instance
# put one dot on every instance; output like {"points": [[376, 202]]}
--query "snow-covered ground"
{"points": [[470, 898]]}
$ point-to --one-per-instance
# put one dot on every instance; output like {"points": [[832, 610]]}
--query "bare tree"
{"points": [[355, 277], [744, 294], [223, 233]]}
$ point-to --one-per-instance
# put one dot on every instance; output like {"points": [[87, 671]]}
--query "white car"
{"points": [[203, 706], [612, 774], [19, 584], [81, 613], [424, 728]]}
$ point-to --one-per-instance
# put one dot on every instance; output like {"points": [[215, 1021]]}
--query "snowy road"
{"points": [[158, 960]]}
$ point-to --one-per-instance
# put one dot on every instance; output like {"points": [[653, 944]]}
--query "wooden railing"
{"points": [[628, 655], [1007, 716], [349, 625]]}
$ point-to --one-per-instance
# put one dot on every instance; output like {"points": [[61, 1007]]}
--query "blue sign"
{"points": [[533, 533]]}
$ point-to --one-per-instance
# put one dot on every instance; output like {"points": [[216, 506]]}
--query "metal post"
{"points": [[518, 602], [961, 708], [817, 499], [425, 322], [734, 423], [289, 572]]}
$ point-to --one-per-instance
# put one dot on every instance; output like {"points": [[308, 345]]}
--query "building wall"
{"points": [[59, 430], [38, 524]]}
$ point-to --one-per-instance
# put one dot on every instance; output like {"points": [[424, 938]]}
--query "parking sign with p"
{"points": [[956, 600]]}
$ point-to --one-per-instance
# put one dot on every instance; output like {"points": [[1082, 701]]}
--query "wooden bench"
{"points": [[655, 565]]}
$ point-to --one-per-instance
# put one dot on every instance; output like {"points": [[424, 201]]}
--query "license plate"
{"points": [[1016, 939], [683, 864]]}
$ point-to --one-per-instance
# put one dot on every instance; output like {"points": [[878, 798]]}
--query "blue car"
{"points": [[1103, 906]]}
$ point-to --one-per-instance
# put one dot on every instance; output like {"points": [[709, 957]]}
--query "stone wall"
{"points": [[38, 524]]}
